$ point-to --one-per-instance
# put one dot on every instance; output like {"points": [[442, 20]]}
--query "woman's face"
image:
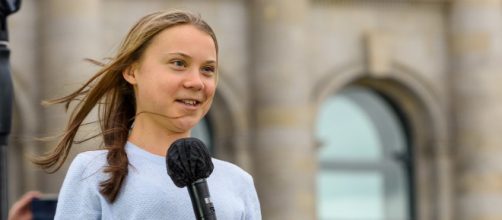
{"points": [[175, 77]]}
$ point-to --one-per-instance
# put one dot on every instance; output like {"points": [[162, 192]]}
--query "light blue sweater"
{"points": [[149, 193]]}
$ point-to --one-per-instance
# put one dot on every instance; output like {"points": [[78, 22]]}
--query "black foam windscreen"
{"points": [[188, 160]]}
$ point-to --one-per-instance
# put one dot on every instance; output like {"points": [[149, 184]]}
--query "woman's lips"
{"points": [[189, 103]]}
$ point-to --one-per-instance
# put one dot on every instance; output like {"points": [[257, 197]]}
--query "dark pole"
{"points": [[6, 94]]}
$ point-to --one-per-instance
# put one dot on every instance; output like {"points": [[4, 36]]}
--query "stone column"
{"points": [[282, 149], [476, 74], [69, 33]]}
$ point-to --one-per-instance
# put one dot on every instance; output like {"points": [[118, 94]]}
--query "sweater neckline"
{"points": [[133, 149]]}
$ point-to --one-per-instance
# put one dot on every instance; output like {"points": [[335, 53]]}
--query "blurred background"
{"points": [[340, 109]]}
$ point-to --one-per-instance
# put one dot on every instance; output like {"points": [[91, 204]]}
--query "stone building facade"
{"points": [[438, 63]]}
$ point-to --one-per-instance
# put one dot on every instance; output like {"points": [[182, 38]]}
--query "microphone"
{"points": [[189, 164]]}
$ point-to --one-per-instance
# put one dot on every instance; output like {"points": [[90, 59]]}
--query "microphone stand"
{"points": [[7, 7]]}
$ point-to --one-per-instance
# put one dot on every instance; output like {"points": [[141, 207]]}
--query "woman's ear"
{"points": [[129, 74]]}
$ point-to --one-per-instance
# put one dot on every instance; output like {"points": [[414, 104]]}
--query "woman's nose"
{"points": [[193, 80]]}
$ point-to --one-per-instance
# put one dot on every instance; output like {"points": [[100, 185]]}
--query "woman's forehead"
{"points": [[187, 40]]}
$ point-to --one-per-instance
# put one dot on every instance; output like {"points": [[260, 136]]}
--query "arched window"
{"points": [[363, 157]]}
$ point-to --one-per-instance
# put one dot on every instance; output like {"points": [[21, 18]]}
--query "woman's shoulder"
{"points": [[91, 157], [231, 170], [88, 163]]}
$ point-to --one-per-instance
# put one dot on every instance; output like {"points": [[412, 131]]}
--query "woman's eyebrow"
{"points": [[179, 54], [189, 57]]}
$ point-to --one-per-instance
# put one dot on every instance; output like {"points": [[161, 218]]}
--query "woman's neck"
{"points": [[154, 137]]}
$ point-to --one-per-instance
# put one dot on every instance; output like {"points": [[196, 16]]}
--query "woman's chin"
{"points": [[185, 125]]}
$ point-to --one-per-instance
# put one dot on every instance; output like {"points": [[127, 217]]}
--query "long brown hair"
{"points": [[115, 99]]}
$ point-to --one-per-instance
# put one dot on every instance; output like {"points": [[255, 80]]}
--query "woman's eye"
{"points": [[208, 69], [178, 63]]}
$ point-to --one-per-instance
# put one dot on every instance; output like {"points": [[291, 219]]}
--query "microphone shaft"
{"points": [[201, 201]]}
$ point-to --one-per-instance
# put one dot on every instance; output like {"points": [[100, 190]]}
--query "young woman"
{"points": [[154, 91]]}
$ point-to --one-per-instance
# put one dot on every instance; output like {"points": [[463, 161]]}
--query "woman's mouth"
{"points": [[189, 102]]}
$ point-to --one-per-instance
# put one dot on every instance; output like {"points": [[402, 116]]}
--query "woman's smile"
{"points": [[191, 104]]}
